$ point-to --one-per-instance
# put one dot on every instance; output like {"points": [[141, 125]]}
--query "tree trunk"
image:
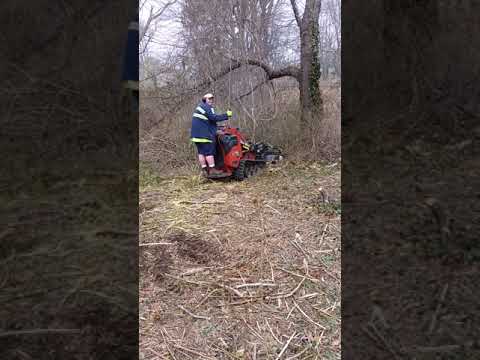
{"points": [[311, 102], [310, 98]]}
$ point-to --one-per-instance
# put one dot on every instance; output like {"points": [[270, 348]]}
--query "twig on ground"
{"points": [[192, 314], [323, 312], [155, 244], [319, 341], [330, 274], [312, 279], [324, 232], [193, 271], [298, 247], [216, 238], [286, 345], [308, 317], [271, 331], [255, 285], [253, 330], [271, 269], [290, 312], [305, 265], [271, 207], [291, 293], [206, 297], [308, 296], [298, 355], [226, 287]]}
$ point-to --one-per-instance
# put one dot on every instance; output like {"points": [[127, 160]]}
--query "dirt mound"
{"points": [[194, 248]]}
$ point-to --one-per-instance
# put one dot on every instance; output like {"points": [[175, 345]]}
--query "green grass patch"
{"points": [[148, 177], [332, 208]]}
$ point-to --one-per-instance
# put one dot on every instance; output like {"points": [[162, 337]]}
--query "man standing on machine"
{"points": [[204, 131]]}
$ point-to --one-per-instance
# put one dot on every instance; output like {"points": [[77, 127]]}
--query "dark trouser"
{"points": [[205, 149]]}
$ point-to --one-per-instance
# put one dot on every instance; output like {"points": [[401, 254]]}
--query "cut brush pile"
{"points": [[241, 270]]}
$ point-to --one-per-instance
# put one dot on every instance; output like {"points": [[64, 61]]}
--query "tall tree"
{"points": [[310, 98], [307, 73]]}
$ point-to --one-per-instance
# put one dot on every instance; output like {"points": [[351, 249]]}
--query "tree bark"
{"points": [[310, 98]]}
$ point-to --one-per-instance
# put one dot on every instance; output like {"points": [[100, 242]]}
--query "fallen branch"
{"points": [[291, 293], [286, 345], [254, 285], [308, 317], [317, 281], [192, 314]]}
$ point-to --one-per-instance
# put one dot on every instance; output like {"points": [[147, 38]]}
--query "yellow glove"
{"points": [[229, 113]]}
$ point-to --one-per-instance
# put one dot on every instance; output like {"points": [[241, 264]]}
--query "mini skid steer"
{"points": [[238, 158]]}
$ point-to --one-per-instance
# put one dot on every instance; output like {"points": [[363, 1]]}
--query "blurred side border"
{"points": [[69, 179]]}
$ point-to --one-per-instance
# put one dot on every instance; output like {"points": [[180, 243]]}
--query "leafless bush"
{"points": [[164, 136]]}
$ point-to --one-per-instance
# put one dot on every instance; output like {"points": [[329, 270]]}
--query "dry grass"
{"points": [[241, 270]]}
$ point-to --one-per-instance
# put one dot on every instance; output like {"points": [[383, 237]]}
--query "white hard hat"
{"points": [[207, 96]]}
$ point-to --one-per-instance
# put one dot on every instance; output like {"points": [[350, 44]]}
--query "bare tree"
{"points": [[330, 38], [310, 98], [249, 50], [155, 13]]}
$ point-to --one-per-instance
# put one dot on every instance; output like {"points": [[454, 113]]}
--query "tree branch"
{"points": [[290, 70], [153, 16], [252, 90], [296, 13]]}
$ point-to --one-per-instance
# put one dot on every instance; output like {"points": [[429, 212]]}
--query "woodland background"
{"points": [[246, 52]]}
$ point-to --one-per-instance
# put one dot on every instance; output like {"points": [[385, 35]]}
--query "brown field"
{"points": [[241, 270]]}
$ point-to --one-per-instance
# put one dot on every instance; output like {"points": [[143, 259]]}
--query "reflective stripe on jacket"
{"points": [[204, 122]]}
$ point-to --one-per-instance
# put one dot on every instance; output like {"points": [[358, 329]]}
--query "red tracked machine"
{"points": [[238, 158]]}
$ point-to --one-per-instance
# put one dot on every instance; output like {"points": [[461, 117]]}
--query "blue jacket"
{"points": [[204, 122]]}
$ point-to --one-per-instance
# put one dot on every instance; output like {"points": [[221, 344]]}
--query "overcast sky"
{"points": [[167, 28]]}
